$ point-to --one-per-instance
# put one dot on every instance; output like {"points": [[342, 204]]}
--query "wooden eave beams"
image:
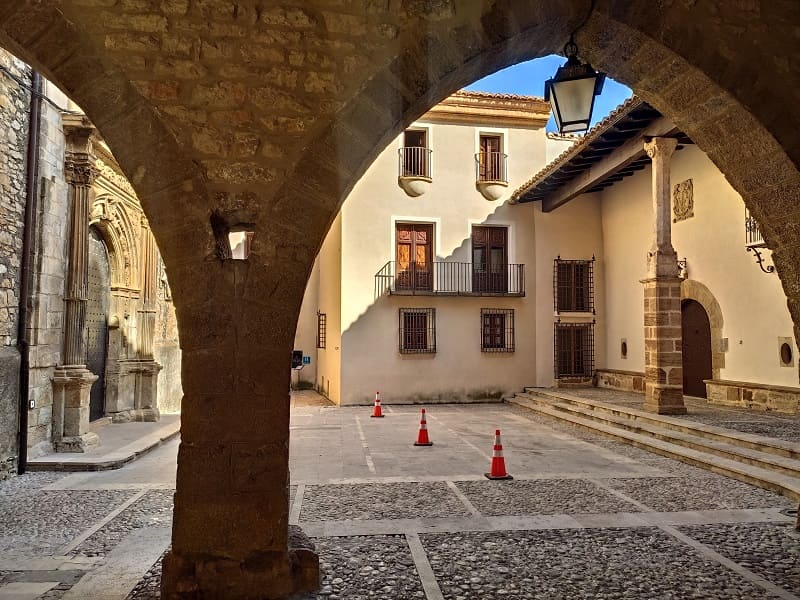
{"points": [[608, 169]]}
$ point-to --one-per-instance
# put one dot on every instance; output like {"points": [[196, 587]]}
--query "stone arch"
{"points": [[169, 100], [114, 223], [694, 290]]}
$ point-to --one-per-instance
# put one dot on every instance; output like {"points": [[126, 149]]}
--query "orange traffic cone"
{"points": [[376, 411], [498, 462], [422, 437]]}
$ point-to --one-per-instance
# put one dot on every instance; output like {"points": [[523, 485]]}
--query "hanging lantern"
{"points": [[572, 90]]}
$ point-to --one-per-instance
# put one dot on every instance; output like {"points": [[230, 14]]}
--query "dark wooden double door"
{"points": [[490, 259], [696, 348]]}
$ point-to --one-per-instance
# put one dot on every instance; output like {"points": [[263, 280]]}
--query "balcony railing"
{"points": [[450, 279], [752, 234], [414, 161], [491, 166]]}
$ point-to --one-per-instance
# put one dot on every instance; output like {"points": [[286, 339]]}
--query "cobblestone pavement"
{"points": [[584, 517]]}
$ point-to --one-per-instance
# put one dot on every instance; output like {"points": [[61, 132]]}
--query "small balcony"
{"points": [[752, 234], [414, 169], [449, 279], [491, 174]]}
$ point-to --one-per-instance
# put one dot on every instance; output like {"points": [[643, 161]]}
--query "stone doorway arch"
{"points": [[696, 291], [268, 119]]}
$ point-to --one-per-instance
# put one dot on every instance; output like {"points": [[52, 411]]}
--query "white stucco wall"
{"points": [[330, 298], [573, 232], [371, 360], [305, 337], [753, 303]]}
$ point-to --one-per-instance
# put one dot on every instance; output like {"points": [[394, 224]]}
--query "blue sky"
{"points": [[528, 78]]}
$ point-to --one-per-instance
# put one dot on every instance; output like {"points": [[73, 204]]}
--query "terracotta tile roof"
{"points": [[477, 94]]}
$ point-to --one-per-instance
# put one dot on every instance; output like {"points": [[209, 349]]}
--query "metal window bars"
{"points": [[417, 330], [497, 330], [322, 329], [573, 285], [573, 350]]}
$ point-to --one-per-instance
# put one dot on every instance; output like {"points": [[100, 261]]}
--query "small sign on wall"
{"points": [[306, 360]]}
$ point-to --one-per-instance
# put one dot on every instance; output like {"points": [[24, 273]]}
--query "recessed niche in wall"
{"points": [[240, 244], [623, 348], [786, 352]]}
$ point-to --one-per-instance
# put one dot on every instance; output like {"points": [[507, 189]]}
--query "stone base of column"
{"points": [[71, 386], [136, 415], [664, 400], [266, 575], [146, 401], [78, 443], [663, 347]]}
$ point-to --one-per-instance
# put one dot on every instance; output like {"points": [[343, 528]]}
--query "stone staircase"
{"points": [[765, 462]]}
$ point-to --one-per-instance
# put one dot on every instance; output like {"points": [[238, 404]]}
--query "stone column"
{"points": [[145, 402], [231, 536], [72, 381], [662, 295]]}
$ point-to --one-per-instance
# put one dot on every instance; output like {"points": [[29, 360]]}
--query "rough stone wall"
{"points": [[49, 268], [14, 117]]}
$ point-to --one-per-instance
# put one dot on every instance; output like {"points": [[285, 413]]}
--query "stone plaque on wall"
{"points": [[682, 201]]}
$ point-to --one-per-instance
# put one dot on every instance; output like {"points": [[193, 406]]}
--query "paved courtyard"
{"points": [[584, 517]]}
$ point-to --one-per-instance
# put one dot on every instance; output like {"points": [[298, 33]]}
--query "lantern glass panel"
{"points": [[572, 102]]}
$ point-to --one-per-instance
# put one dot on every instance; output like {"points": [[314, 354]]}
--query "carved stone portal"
{"points": [[683, 201]]}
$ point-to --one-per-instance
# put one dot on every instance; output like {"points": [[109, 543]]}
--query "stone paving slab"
{"points": [[154, 509], [541, 497], [772, 550], [633, 563], [41, 522], [380, 501], [673, 494]]}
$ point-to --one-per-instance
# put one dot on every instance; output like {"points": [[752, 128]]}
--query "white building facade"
{"points": [[445, 278]]}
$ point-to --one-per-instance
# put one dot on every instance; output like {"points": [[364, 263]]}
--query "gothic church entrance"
{"points": [[696, 348], [97, 307]]}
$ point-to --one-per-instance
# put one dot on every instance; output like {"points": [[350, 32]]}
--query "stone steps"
{"points": [[765, 462]]}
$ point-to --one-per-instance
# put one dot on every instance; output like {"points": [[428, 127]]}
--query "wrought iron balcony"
{"points": [[491, 174], [752, 234], [491, 167], [442, 278], [414, 169]]}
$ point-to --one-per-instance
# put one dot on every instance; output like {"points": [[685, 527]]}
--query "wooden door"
{"points": [[696, 330], [414, 256], [490, 259], [97, 307], [490, 158]]}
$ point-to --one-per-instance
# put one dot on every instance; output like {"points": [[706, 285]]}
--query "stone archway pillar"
{"points": [[72, 381], [231, 536], [146, 398], [662, 295]]}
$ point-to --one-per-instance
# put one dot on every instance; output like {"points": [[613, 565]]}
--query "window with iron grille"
{"points": [[574, 350], [573, 285], [497, 330], [417, 330], [322, 329]]}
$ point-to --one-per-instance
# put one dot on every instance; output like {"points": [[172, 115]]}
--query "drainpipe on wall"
{"points": [[23, 342]]}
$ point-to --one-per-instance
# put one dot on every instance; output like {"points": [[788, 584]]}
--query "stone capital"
{"points": [[660, 147], [79, 169]]}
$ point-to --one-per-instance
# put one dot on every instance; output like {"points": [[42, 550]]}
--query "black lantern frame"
{"points": [[571, 71]]}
